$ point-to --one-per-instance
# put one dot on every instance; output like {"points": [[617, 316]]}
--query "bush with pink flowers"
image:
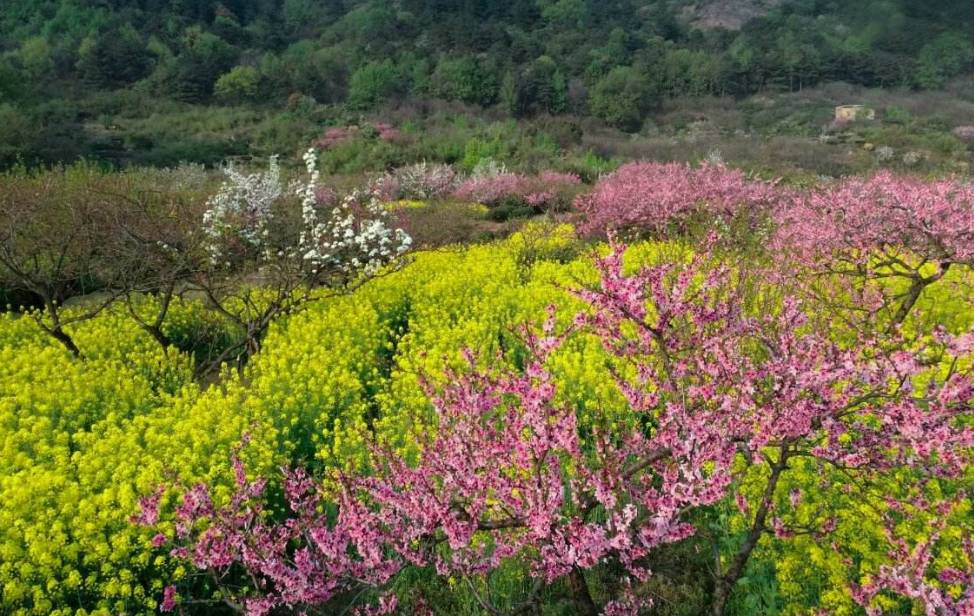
{"points": [[340, 135], [658, 197], [512, 193], [491, 190], [336, 136]]}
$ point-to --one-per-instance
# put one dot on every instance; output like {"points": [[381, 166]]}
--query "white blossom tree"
{"points": [[265, 257]]}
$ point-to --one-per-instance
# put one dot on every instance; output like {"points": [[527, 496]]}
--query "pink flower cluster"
{"points": [[714, 390], [655, 197], [388, 132], [805, 391], [933, 219], [907, 575], [385, 187], [491, 190], [886, 227], [538, 191], [554, 179], [326, 196], [336, 136], [339, 135], [539, 199]]}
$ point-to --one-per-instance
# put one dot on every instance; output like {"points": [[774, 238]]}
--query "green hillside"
{"points": [[72, 72]]}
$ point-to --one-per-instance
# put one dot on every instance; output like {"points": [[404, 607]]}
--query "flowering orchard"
{"points": [[716, 396], [681, 425]]}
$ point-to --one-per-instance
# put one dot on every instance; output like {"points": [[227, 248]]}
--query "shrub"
{"points": [[545, 241], [510, 195], [373, 83], [336, 136], [420, 181], [239, 85], [490, 190], [464, 79], [622, 98], [446, 223], [656, 198]]}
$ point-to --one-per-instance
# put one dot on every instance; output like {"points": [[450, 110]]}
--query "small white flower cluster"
{"points": [[426, 181], [913, 158], [307, 191], [353, 237], [343, 241], [243, 206], [167, 247]]}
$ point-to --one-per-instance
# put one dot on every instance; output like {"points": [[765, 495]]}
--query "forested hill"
{"points": [[613, 59]]}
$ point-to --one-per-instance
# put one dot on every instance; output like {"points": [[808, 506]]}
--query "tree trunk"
{"points": [[61, 336], [584, 604], [157, 334], [726, 582], [56, 330], [154, 329]]}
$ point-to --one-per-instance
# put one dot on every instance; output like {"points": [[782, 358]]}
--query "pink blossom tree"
{"points": [[886, 227], [780, 392], [656, 198], [713, 394], [548, 190]]}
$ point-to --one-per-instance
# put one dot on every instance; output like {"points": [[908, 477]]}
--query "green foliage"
{"points": [[321, 73], [686, 71], [478, 150], [621, 98], [36, 57], [615, 60], [191, 75], [800, 43], [15, 133], [239, 85], [896, 115], [10, 80], [303, 16], [464, 79], [570, 13], [374, 83], [540, 87], [113, 57], [946, 56]]}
